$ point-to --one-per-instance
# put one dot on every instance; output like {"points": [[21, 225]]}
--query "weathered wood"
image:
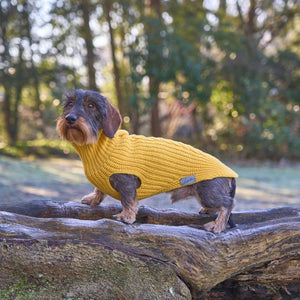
{"points": [[176, 258], [146, 215], [277, 279]]}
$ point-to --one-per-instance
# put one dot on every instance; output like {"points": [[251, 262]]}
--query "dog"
{"points": [[133, 167]]}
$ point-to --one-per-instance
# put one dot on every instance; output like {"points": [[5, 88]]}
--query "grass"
{"points": [[258, 187], [51, 179], [42, 148], [267, 187]]}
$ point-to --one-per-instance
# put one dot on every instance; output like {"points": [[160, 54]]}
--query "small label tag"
{"points": [[188, 180]]}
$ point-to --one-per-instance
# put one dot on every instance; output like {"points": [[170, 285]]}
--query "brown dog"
{"points": [[130, 167]]}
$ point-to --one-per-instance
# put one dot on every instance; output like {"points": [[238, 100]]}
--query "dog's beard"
{"points": [[80, 133]]}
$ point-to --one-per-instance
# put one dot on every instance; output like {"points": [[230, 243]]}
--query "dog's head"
{"points": [[84, 114]]}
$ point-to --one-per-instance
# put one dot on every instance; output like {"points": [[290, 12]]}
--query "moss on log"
{"points": [[74, 251]]}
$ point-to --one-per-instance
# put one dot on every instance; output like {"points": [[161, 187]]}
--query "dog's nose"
{"points": [[71, 119]]}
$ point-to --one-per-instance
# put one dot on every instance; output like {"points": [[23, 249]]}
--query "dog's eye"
{"points": [[70, 104], [91, 105]]}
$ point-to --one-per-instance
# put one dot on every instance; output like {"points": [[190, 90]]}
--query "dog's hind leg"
{"points": [[217, 195], [232, 195], [219, 224]]}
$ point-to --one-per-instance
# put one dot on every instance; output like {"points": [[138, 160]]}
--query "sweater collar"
{"points": [[99, 149]]}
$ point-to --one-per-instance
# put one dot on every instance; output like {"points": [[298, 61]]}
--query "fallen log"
{"points": [[72, 250]]}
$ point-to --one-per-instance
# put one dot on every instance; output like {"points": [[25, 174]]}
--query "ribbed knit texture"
{"points": [[159, 163]]}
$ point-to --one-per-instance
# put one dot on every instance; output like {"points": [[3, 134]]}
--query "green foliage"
{"points": [[41, 148], [25, 290], [238, 61]]}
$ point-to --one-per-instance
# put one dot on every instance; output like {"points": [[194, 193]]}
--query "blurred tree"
{"points": [[237, 60], [86, 32], [18, 69], [72, 38], [144, 43], [252, 64], [164, 48], [107, 8], [154, 38], [191, 66]]}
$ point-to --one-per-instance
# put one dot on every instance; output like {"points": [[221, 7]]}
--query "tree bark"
{"points": [[165, 254]]}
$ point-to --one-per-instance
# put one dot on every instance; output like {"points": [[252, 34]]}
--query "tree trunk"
{"points": [[20, 81], [153, 12], [155, 120], [107, 9], [6, 77], [35, 73], [16, 117], [7, 112], [88, 38], [164, 255]]}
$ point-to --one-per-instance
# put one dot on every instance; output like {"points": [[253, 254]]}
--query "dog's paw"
{"points": [[214, 227], [91, 199], [125, 217]]}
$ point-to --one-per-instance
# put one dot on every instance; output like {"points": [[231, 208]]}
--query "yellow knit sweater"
{"points": [[161, 164]]}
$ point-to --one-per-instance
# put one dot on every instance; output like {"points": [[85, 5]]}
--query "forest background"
{"points": [[221, 75]]}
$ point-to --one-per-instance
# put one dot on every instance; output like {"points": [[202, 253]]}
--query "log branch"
{"points": [[264, 247]]}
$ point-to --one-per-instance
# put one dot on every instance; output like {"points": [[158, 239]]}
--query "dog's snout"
{"points": [[71, 119]]}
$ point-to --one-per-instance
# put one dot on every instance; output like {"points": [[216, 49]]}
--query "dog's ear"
{"points": [[112, 121]]}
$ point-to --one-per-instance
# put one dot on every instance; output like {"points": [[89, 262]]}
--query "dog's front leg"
{"points": [[94, 198], [130, 209], [126, 185]]}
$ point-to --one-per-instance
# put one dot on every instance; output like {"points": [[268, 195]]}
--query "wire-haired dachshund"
{"points": [[91, 123]]}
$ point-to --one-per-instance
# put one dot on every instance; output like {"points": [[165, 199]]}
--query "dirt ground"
{"points": [[258, 187]]}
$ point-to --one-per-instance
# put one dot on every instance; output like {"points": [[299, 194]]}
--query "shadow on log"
{"points": [[69, 250]]}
